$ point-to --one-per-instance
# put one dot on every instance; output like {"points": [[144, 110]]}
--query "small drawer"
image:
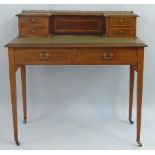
{"points": [[107, 56], [44, 56], [121, 21], [121, 32], [34, 21], [34, 32]]}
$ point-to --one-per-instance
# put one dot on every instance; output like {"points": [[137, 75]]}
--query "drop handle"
{"points": [[44, 56], [108, 56], [121, 21], [121, 32]]}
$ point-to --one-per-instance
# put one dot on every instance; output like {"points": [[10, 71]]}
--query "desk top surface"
{"points": [[76, 41]]}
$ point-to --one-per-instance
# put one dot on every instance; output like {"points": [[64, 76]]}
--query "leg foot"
{"points": [[131, 122], [17, 143]]}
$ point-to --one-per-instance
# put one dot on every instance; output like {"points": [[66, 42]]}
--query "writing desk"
{"points": [[72, 49]]}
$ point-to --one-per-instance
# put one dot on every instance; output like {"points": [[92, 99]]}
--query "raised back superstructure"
{"points": [[106, 23]]}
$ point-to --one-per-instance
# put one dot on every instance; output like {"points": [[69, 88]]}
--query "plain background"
{"points": [[77, 107]]}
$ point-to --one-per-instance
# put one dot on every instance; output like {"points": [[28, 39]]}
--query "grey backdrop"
{"points": [[77, 107]]}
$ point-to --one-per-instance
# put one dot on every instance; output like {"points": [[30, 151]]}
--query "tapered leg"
{"points": [[139, 92], [23, 80], [12, 72], [131, 86]]}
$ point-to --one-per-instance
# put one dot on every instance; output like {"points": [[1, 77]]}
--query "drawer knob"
{"points": [[121, 21], [44, 56], [121, 32], [108, 56], [33, 20]]}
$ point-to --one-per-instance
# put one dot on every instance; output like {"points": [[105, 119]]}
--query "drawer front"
{"points": [[44, 56], [34, 32], [34, 22], [121, 32], [107, 56], [121, 21]]}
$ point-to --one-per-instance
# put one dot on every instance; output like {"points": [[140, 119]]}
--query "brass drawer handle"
{"points": [[108, 56], [121, 31], [33, 31], [121, 20], [44, 56], [33, 20]]}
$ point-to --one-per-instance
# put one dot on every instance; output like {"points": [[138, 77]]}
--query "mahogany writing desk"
{"points": [[76, 38]]}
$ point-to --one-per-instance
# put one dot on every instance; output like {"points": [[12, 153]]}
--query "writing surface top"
{"points": [[76, 41]]}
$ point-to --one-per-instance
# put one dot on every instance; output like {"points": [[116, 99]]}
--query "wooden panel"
{"points": [[34, 32], [34, 21], [107, 25], [134, 26], [77, 25], [121, 21], [43, 56], [121, 32], [20, 25], [107, 56]]}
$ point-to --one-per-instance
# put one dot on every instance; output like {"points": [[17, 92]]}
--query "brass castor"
{"points": [[17, 143], [131, 122], [140, 144]]}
